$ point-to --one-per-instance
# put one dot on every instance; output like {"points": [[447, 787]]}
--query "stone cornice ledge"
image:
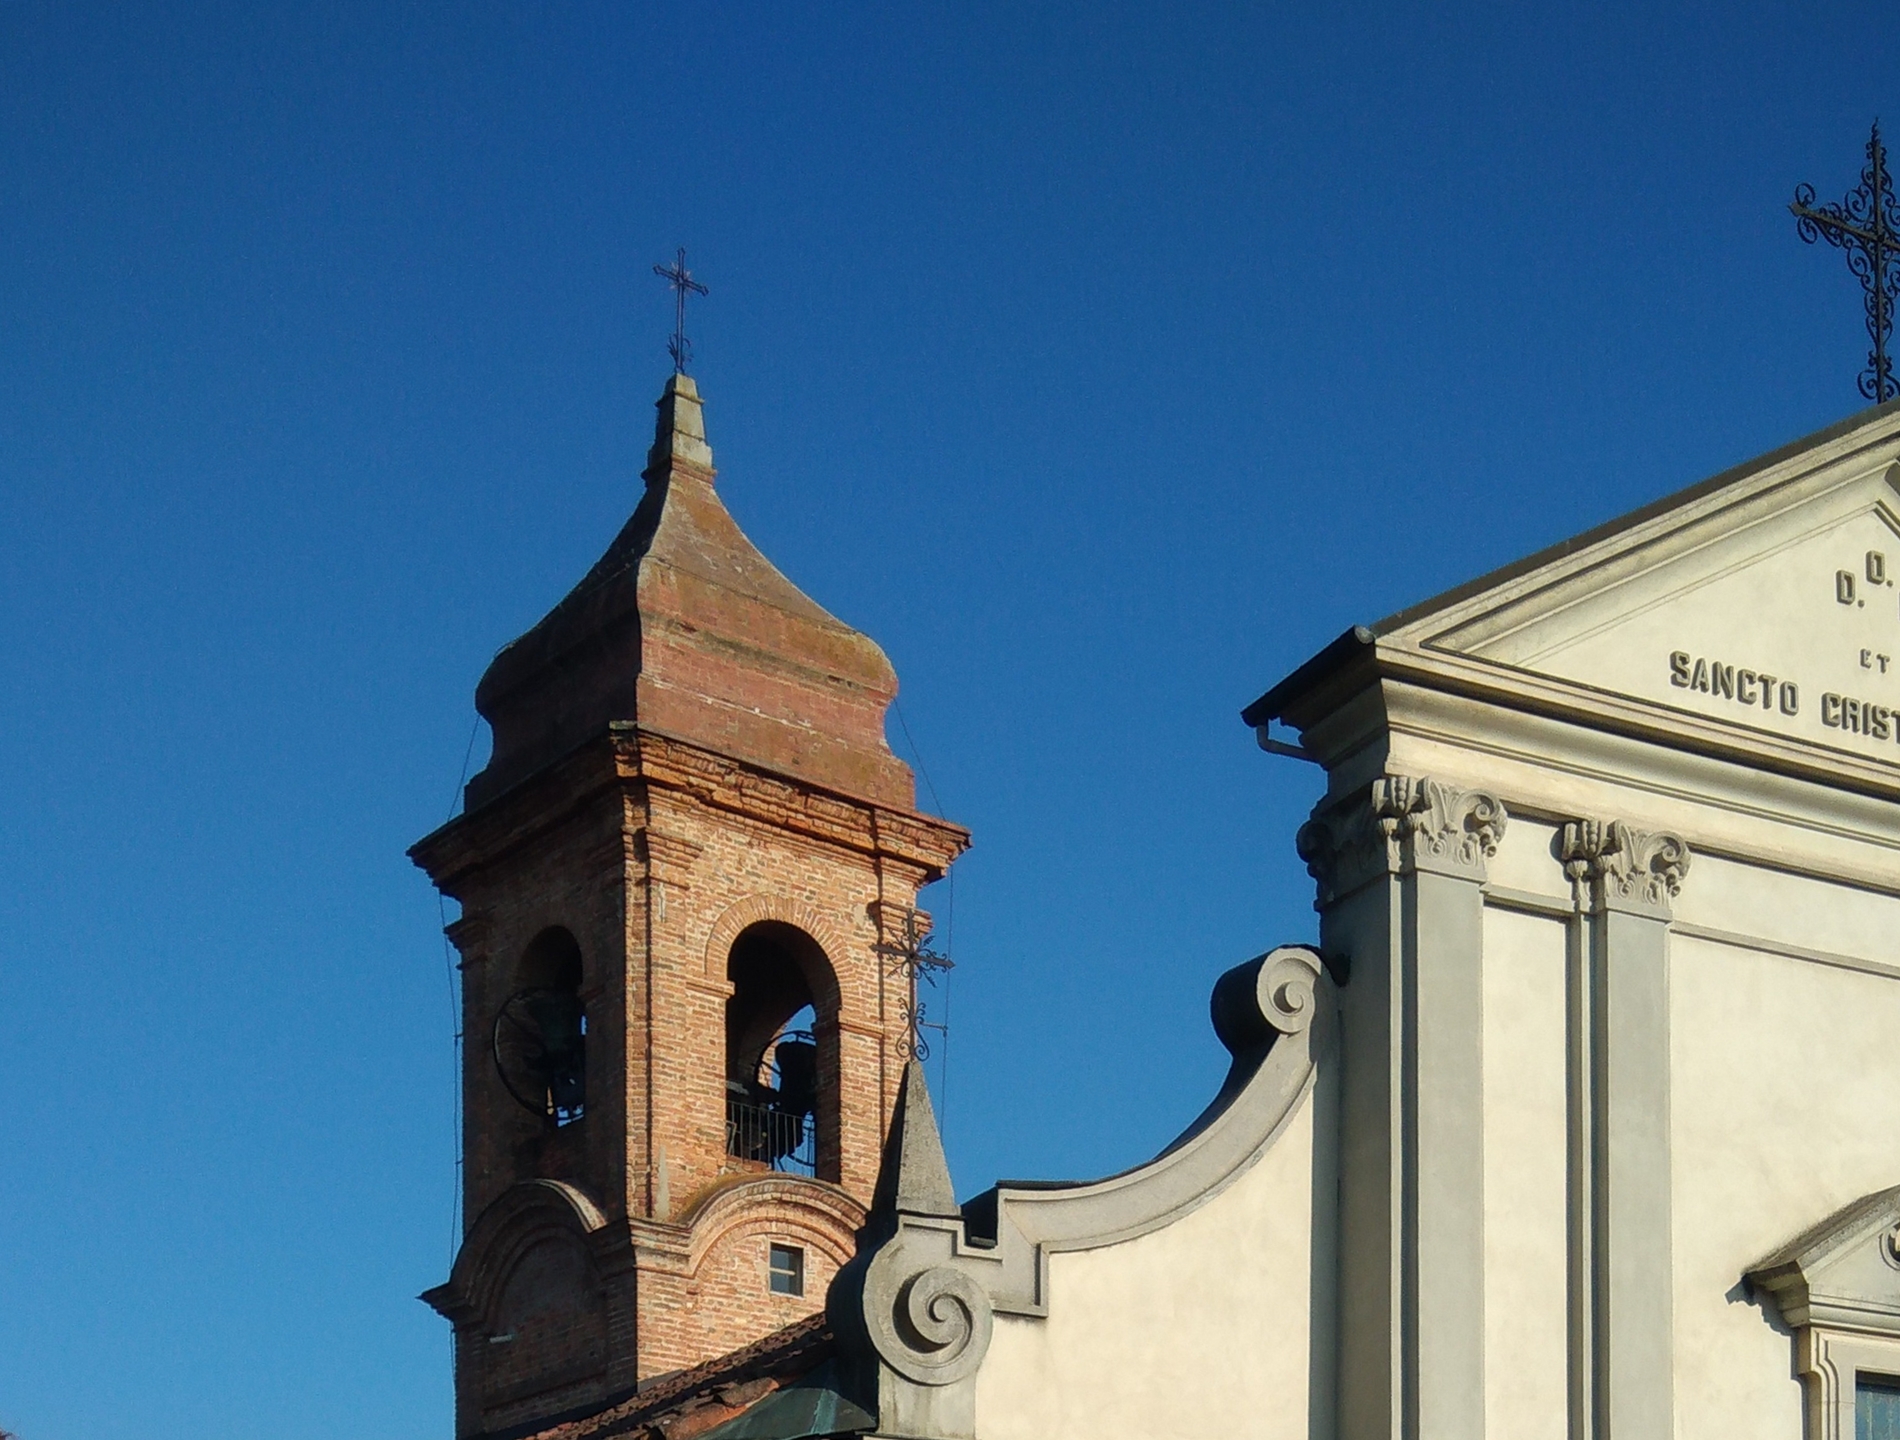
{"points": [[520, 1217], [627, 756], [1275, 1015], [1512, 687]]}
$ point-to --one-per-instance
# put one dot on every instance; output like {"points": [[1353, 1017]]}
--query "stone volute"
{"points": [[686, 628]]}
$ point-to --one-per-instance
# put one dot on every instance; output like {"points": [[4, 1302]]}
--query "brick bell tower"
{"points": [[684, 875]]}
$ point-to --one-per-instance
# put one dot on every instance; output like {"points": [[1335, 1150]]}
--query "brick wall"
{"points": [[656, 855]]}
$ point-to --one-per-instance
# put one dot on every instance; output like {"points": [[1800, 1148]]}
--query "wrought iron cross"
{"points": [[1867, 226], [680, 280], [913, 960]]}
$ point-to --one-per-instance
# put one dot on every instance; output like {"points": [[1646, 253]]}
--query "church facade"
{"points": [[1578, 1121]]}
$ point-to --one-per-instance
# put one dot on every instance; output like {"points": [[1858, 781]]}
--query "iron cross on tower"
{"points": [[913, 960], [680, 280], [1867, 226]]}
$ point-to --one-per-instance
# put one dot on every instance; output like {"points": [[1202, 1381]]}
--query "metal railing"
{"points": [[783, 1139]]}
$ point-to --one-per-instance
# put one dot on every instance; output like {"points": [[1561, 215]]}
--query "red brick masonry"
{"points": [[685, 747]]}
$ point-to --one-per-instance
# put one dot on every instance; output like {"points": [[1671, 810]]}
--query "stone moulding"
{"points": [[669, 859], [1843, 1272], [1398, 824], [1614, 866], [741, 787], [1275, 1015], [633, 759], [1837, 1285], [520, 1217]]}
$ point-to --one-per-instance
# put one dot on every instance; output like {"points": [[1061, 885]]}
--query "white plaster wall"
{"points": [[1198, 1329], [1793, 909], [1525, 860], [1786, 1085], [1526, 1175]]}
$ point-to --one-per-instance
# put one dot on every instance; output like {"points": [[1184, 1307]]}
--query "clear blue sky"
{"points": [[1102, 362]]}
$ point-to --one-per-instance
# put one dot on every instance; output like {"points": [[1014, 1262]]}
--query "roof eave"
{"points": [[1343, 653]]}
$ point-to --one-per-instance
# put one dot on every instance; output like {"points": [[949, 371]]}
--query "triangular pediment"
{"points": [[1843, 1271], [1768, 598]]}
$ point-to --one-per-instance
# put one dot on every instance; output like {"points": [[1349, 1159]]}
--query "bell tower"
{"points": [[683, 877]]}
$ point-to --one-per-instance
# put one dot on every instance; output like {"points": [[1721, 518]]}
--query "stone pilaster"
{"points": [[1624, 881], [1400, 868]]}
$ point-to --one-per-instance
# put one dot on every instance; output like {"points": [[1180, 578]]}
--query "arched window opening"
{"points": [[540, 1033], [778, 1095]]}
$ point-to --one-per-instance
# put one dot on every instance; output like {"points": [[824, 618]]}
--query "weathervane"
{"points": [[680, 280], [913, 960], [1867, 226]]}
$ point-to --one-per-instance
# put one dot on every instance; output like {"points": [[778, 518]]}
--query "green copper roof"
{"points": [[812, 1407]]}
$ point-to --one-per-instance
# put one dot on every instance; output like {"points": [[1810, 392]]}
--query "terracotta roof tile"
{"points": [[691, 1402]]}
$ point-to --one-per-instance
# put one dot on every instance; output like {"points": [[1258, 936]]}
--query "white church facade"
{"points": [[1584, 1121]]}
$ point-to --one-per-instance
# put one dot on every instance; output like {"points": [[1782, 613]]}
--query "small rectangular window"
{"points": [[1876, 1408], [788, 1270]]}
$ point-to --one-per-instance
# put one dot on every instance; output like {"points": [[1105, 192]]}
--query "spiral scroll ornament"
{"points": [[1271, 995], [931, 1326], [1285, 989]]}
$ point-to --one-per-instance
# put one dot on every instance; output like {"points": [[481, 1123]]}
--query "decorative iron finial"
{"points": [[912, 960], [1867, 226], [679, 280]]}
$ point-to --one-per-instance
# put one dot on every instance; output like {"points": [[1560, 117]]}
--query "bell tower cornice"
{"points": [[631, 759]]}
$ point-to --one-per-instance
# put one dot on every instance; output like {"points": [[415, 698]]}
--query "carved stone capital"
{"points": [[469, 935], [1399, 824], [1614, 866]]}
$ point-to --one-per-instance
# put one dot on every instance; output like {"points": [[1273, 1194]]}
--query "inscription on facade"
{"points": [[1850, 654], [1851, 589], [1758, 689], [1734, 682], [1859, 717]]}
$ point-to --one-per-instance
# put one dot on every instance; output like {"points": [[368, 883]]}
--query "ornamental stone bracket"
{"points": [[1400, 824], [1614, 866]]}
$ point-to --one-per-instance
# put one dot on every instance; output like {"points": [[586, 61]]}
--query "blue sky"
{"points": [[1102, 362]]}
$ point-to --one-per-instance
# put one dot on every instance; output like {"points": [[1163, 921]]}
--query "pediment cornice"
{"points": [[1754, 618], [1843, 1272]]}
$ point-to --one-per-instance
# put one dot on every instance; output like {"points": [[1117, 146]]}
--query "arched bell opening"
{"points": [[540, 1031], [782, 1051]]}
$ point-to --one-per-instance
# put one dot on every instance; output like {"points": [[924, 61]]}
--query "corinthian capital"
{"points": [[1400, 823], [1614, 866]]}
